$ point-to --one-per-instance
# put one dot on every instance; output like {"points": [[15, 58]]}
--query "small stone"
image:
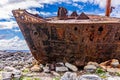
{"points": [[9, 69], [110, 69], [36, 68], [116, 78], [1, 66], [69, 76], [35, 62], [52, 67], [46, 69], [103, 67], [71, 67], [93, 63], [105, 64], [16, 72], [19, 67], [60, 64], [61, 69], [6, 75], [55, 73], [11, 72], [111, 78], [90, 68], [115, 63], [89, 77], [117, 70]]}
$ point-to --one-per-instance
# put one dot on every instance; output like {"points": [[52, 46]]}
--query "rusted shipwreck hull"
{"points": [[75, 39]]}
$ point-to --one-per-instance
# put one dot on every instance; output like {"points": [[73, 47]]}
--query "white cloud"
{"points": [[77, 5], [14, 43], [8, 25], [2, 36], [3, 2], [116, 12], [6, 7], [17, 30], [43, 14], [101, 3]]}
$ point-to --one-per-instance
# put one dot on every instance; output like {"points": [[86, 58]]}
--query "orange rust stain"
{"points": [[60, 33]]}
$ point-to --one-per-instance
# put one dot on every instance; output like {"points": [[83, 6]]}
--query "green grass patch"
{"points": [[29, 78], [117, 74], [56, 78], [101, 72], [26, 70]]}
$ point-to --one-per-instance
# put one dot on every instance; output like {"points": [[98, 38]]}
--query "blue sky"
{"points": [[10, 35]]}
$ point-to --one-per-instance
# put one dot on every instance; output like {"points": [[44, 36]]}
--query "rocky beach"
{"points": [[22, 66]]}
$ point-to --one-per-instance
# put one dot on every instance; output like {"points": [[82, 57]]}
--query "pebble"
{"points": [[46, 69], [36, 68], [61, 69], [93, 63], [6, 75], [110, 69], [55, 73], [113, 78], [89, 77], [10, 63], [115, 63], [9, 69], [16, 72], [69, 76], [71, 66], [117, 70], [1, 66], [60, 64], [90, 68]]}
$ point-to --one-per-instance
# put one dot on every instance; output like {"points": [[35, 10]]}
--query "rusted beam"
{"points": [[108, 8]]}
